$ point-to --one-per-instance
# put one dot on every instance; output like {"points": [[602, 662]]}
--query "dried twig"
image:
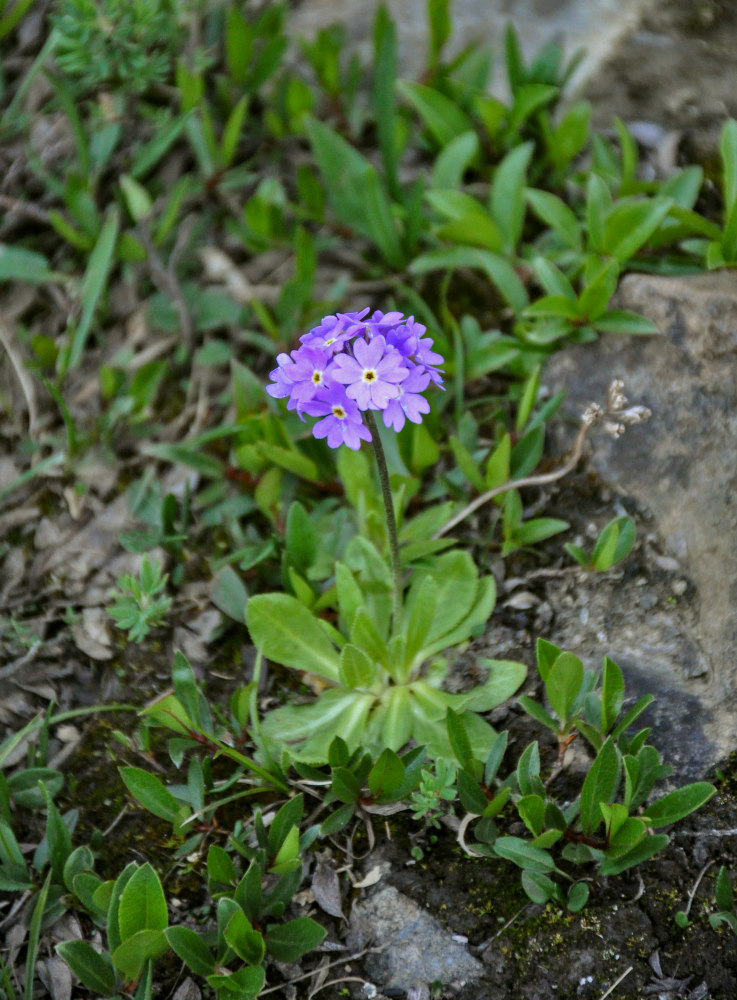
{"points": [[614, 985], [695, 887], [616, 418], [22, 374], [337, 961], [518, 484]]}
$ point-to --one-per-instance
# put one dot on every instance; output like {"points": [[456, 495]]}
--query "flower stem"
{"points": [[391, 520]]}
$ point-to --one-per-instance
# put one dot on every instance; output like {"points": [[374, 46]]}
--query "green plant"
{"points": [[137, 608], [610, 821], [724, 898], [613, 545], [116, 43], [436, 787], [134, 913]]}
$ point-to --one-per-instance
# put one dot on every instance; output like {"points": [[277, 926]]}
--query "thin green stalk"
{"points": [[391, 521]]}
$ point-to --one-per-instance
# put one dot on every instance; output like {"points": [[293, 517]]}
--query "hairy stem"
{"points": [[391, 520]]}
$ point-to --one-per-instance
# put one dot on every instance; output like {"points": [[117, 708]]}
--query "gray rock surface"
{"points": [[681, 466], [595, 25], [415, 949]]}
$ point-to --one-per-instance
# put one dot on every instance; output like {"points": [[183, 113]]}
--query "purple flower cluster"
{"points": [[349, 364]]}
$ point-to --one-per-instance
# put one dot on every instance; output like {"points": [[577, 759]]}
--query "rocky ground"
{"points": [[448, 926]]}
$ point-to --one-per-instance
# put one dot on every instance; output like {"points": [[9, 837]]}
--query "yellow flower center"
{"points": [[339, 412], [369, 375]]}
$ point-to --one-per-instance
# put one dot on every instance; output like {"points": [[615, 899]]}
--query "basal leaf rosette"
{"points": [[382, 687]]}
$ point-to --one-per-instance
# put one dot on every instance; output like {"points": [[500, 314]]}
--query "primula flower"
{"points": [[372, 373], [349, 364], [408, 404], [341, 423]]}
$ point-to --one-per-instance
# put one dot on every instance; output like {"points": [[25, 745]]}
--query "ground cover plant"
{"points": [[198, 204]]}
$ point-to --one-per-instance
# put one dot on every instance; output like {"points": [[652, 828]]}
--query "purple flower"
{"points": [[349, 363], [372, 374], [342, 422], [408, 404], [308, 374]]}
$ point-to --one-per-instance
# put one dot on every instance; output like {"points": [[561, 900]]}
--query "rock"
{"points": [[593, 25], [681, 466], [416, 950]]}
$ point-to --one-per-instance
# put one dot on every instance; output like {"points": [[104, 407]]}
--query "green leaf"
{"points": [[495, 756], [58, 838], [190, 947], [723, 890], [578, 897], [149, 790], [470, 794], [350, 595], [678, 804], [523, 854], [356, 669], [94, 282], [112, 900], [505, 677], [532, 813], [229, 594], [19, 264], [627, 323], [301, 537], [387, 774], [10, 852], [528, 771], [380, 222], [537, 530], [34, 935], [458, 737], [287, 818], [130, 956], [600, 785], [728, 150], [338, 820], [466, 464], [289, 941], [598, 206], [220, 867], [80, 860], [612, 694], [547, 653], [397, 726], [454, 160], [497, 269], [644, 850], [563, 684], [94, 970], [289, 459], [599, 289], [497, 467], [285, 631], [508, 194], [456, 580], [630, 224], [555, 213], [245, 984], [365, 635], [442, 117], [142, 905], [419, 613], [539, 887], [246, 942]]}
